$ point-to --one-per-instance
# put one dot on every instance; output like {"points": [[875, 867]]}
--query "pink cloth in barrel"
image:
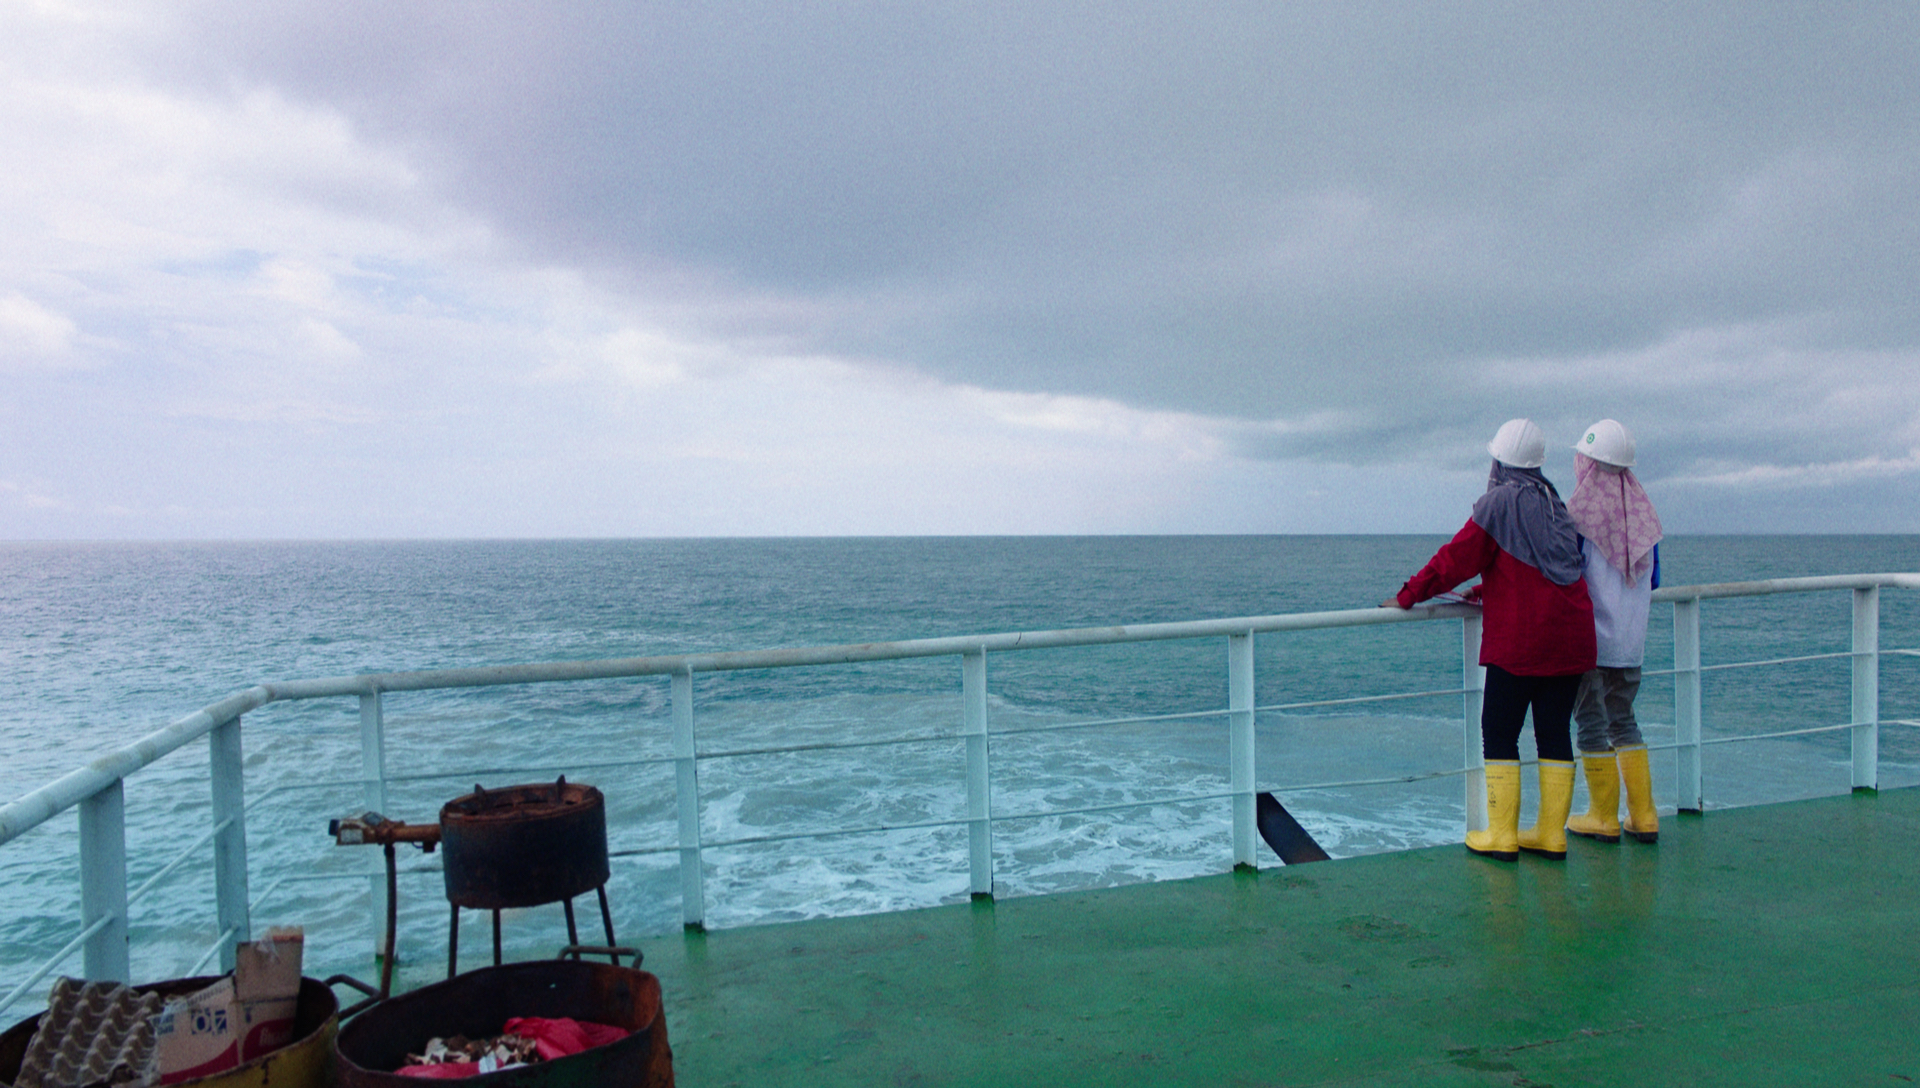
{"points": [[560, 1037]]}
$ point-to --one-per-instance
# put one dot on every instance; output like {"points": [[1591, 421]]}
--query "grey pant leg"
{"points": [[1590, 714], [1621, 686], [1604, 709]]}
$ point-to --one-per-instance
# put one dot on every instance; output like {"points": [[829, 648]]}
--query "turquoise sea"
{"points": [[103, 643]]}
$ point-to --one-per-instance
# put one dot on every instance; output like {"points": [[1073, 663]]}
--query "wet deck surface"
{"points": [[1776, 945]]}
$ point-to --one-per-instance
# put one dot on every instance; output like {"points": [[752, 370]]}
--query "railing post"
{"points": [[693, 882], [103, 882], [1866, 688], [973, 692], [1473, 682], [1688, 793], [373, 771], [1240, 745], [228, 774]]}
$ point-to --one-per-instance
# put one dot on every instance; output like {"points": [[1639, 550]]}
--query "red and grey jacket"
{"points": [[1529, 626]]}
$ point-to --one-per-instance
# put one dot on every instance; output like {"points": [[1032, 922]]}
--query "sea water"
{"points": [[103, 643]]}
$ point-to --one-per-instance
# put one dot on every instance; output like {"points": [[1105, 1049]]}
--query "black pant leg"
{"points": [[1503, 711], [1553, 699]]}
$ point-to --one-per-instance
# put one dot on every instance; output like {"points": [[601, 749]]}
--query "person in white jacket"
{"points": [[1620, 547]]}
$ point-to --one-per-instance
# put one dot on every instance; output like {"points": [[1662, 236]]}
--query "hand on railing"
{"points": [[1469, 595]]}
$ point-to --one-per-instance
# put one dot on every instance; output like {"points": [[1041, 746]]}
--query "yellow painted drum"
{"points": [[307, 1062]]}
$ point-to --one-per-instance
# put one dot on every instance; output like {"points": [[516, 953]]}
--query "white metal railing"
{"points": [[96, 790]]}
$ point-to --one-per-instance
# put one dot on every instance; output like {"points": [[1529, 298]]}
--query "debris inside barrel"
{"points": [[499, 1052], [524, 1041]]}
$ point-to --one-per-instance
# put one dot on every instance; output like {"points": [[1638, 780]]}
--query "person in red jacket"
{"points": [[1536, 640]]}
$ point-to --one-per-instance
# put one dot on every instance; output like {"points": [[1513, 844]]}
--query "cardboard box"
{"points": [[194, 1035], [266, 985], [237, 1019]]}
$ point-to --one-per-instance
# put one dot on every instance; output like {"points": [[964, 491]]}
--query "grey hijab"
{"points": [[1524, 515]]}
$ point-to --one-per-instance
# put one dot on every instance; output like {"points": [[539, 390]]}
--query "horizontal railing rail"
{"points": [[96, 789], [1770, 586], [42, 804]]}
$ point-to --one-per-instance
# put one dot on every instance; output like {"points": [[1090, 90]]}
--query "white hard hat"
{"points": [[1608, 442], [1519, 443]]}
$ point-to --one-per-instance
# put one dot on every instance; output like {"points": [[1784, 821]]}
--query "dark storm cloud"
{"points": [[1403, 223]]}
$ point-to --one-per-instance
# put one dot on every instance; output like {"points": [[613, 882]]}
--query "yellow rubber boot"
{"points": [[1643, 821], [1547, 838], [1602, 818], [1500, 841]]}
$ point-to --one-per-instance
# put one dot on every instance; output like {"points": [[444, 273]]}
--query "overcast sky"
{"points": [[397, 269]]}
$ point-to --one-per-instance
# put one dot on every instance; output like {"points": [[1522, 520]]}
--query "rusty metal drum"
{"points": [[521, 846], [372, 1046]]}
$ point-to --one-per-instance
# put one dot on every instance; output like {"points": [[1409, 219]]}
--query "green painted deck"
{"points": [[1777, 945]]}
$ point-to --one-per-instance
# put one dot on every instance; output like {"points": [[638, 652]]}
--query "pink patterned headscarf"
{"points": [[1610, 508]]}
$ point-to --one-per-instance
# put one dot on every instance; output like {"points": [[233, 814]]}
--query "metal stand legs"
{"points": [[573, 933]]}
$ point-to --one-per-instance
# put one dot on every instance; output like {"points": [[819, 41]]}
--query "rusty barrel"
{"points": [[520, 846], [478, 1004], [307, 1062]]}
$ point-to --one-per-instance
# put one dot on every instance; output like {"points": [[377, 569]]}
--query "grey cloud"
{"points": [[1364, 212]]}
